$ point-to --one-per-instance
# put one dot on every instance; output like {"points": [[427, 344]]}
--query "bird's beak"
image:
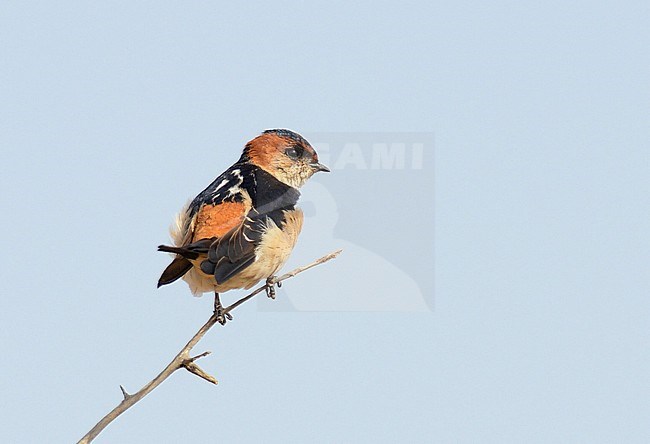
{"points": [[319, 167]]}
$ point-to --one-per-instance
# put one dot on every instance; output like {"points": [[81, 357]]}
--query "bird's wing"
{"points": [[233, 252], [209, 223], [224, 229], [216, 211]]}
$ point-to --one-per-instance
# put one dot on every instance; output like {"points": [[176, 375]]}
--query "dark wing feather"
{"points": [[235, 251], [226, 269]]}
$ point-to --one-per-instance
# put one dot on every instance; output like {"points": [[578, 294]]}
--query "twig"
{"points": [[198, 371], [284, 277], [183, 359], [202, 355], [191, 367]]}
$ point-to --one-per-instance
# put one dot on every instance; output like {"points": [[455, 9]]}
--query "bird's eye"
{"points": [[293, 152]]}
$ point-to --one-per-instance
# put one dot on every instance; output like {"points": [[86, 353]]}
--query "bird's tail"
{"points": [[177, 250], [179, 266]]}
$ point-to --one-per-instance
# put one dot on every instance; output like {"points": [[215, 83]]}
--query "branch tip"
{"points": [[191, 367], [202, 355]]}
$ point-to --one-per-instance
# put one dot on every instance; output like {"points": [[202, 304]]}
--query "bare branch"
{"points": [[284, 277], [191, 367], [182, 359], [299, 270], [202, 355]]}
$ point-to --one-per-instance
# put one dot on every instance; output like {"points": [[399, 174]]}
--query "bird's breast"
{"points": [[277, 242]]}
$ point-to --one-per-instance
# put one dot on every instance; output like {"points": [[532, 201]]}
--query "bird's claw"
{"points": [[222, 317], [270, 287]]}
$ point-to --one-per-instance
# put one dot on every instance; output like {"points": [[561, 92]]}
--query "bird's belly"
{"points": [[198, 281]]}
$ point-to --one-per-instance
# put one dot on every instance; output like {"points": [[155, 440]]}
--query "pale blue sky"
{"points": [[114, 113]]}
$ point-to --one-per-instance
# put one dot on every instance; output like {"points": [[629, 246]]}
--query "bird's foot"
{"points": [[270, 286], [222, 317]]}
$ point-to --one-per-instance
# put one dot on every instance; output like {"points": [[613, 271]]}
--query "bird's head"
{"points": [[284, 154]]}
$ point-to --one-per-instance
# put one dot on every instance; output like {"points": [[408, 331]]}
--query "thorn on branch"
{"points": [[125, 393]]}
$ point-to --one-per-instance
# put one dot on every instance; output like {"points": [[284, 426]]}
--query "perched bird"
{"points": [[243, 226]]}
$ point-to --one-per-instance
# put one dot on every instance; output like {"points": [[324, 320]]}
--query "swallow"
{"points": [[243, 226]]}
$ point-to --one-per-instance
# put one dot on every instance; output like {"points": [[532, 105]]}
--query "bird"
{"points": [[244, 225]]}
